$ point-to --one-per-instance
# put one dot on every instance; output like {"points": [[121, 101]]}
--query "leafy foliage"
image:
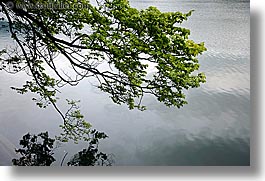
{"points": [[75, 127], [109, 33], [85, 36]]}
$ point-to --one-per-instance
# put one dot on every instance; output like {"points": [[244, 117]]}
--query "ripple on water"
{"points": [[226, 72]]}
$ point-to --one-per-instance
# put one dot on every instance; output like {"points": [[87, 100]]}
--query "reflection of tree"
{"points": [[35, 152], [38, 150], [91, 156]]}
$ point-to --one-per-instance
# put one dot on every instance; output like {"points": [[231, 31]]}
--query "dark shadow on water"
{"points": [[162, 172]]}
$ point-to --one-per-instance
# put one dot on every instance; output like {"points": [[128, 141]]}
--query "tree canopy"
{"points": [[87, 35], [62, 42]]}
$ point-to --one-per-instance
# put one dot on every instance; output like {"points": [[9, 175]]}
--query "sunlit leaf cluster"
{"points": [[108, 32]]}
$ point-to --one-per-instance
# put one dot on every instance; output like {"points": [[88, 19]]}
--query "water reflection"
{"points": [[195, 151], [213, 129]]}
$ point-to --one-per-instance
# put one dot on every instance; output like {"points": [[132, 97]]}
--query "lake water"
{"points": [[213, 129]]}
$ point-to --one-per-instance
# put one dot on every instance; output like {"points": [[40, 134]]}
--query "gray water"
{"points": [[213, 129]]}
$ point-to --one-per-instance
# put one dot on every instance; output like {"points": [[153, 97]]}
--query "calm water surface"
{"points": [[213, 129]]}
